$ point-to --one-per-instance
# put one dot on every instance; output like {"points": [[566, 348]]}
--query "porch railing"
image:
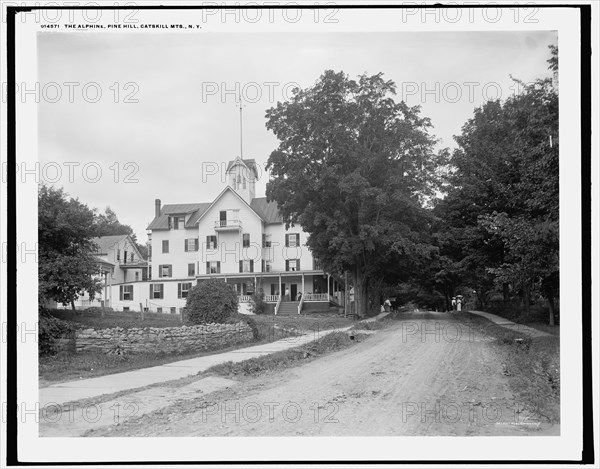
{"points": [[245, 298], [278, 305], [271, 298], [316, 297]]}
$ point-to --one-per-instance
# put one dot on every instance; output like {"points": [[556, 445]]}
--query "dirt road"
{"points": [[425, 375]]}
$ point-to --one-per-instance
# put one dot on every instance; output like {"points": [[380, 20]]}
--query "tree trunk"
{"points": [[526, 299], [551, 307], [505, 293], [360, 292], [73, 307]]}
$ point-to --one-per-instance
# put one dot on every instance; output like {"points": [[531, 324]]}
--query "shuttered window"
{"points": [[126, 292], [190, 244], [292, 240], [156, 291]]}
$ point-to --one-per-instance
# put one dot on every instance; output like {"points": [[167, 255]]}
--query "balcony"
{"points": [[228, 225]]}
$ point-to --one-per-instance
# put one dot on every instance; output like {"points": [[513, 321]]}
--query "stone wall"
{"points": [[163, 339]]}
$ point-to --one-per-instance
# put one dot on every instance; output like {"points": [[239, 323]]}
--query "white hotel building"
{"points": [[238, 238]]}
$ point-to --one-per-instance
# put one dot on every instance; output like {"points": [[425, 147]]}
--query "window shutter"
{"points": [[241, 266], [179, 290], [161, 291], [287, 241], [218, 267], [121, 292], [262, 265], [297, 264], [287, 265], [151, 292], [297, 239], [251, 265], [196, 244], [208, 267], [185, 245]]}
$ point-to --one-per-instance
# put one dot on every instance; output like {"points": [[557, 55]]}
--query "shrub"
{"points": [[258, 305], [51, 331], [211, 301]]}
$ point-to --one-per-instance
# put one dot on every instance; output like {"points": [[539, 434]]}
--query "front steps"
{"points": [[288, 308]]}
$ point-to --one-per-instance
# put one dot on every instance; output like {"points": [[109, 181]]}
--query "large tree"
{"points": [[501, 212], [355, 169], [67, 266]]}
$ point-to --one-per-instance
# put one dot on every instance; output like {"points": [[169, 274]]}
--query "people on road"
{"points": [[453, 303]]}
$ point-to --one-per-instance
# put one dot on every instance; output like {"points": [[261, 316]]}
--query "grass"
{"points": [[301, 324], [532, 365], [286, 358], [93, 319]]}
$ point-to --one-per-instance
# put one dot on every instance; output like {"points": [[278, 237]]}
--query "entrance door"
{"points": [[293, 291], [223, 218]]}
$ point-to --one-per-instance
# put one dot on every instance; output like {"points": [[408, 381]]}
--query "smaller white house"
{"points": [[120, 263]]}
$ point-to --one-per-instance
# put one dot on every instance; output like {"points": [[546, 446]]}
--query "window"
{"points": [[183, 289], [125, 308], [118, 254], [190, 244], [159, 310], [266, 266], [178, 223], [266, 240], [213, 267], [173, 310], [126, 292], [292, 265], [191, 270], [156, 291], [131, 257], [165, 246], [292, 240], [137, 276], [149, 251], [211, 242], [247, 266], [125, 257], [246, 240], [165, 270]]}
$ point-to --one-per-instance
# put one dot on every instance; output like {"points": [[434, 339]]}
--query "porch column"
{"points": [[255, 285], [110, 303], [105, 295], [302, 283], [328, 276], [280, 292]]}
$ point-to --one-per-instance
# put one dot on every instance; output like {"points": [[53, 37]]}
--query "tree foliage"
{"points": [[501, 212], [355, 169], [67, 267]]}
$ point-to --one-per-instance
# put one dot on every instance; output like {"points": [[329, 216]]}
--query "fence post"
{"points": [[142, 310]]}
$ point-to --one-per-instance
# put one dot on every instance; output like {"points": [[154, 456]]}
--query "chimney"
{"points": [[157, 207]]}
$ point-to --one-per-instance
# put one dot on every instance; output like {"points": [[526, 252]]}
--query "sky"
{"points": [[156, 115]]}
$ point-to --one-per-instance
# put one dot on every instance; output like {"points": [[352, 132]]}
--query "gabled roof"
{"points": [[267, 210], [162, 221], [250, 164], [107, 243], [229, 188]]}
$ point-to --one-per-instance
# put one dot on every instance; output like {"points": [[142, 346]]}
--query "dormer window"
{"points": [[177, 223]]}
